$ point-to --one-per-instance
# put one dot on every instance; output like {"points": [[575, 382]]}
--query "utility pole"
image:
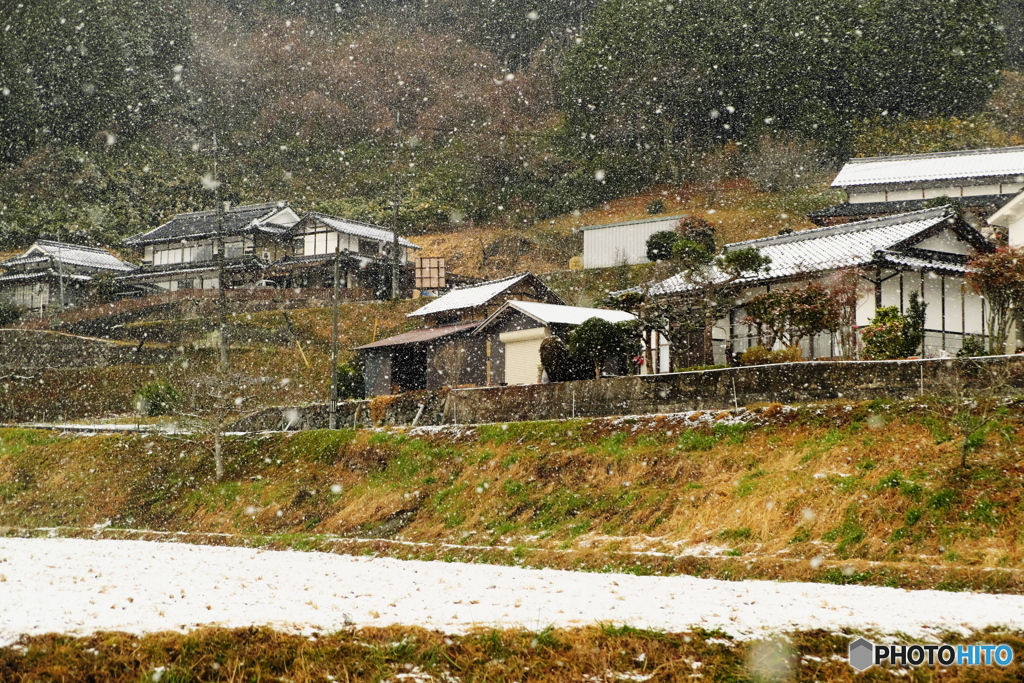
{"points": [[60, 271], [333, 408], [395, 281], [218, 246]]}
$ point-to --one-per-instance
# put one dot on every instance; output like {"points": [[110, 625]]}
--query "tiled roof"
{"points": [[419, 336], [44, 275], [358, 229], [472, 296], [847, 210], [919, 262], [202, 223], [554, 314], [175, 269], [975, 163], [820, 249], [70, 254]]}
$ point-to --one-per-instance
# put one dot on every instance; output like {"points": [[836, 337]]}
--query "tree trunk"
{"points": [[649, 337]]}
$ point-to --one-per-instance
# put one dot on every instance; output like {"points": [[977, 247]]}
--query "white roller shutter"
{"points": [[522, 355]]}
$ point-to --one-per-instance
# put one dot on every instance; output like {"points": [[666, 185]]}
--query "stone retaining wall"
{"points": [[39, 349], [671, 393]]}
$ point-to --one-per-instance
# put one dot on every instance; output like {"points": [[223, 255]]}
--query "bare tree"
{"points": [[970, 394], [217, 400]]}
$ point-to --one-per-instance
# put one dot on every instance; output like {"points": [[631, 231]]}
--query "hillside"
{"points": [[264, 350], [737, 208], [845, 493]]}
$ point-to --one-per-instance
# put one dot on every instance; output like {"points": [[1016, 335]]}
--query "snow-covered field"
{"points": [[81, 586]]}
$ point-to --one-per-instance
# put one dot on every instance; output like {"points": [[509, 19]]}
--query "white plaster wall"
{"points": [[946, 241], [1015, 232], [865, 197]]}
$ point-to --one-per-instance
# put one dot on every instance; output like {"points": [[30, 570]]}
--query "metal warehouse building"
{"points": [[621, 243]]}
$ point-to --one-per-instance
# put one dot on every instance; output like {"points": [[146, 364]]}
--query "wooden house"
{"points": [[181, 253], [367, 251], [923, 251], [56, 275], [445, 352], [980, 180]]}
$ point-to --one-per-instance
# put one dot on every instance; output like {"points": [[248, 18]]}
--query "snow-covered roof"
{"points": [[473, 295], [44, 275], [204, 223], [69, 254], [554, 314], [830, 248], [975, 163], [358, 229]]}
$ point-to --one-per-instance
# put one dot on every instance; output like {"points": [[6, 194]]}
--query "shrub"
{"points": [[655, 207], [699, 230], [350, 382], [971, 347], [759, 355], [894, 335], [755, 355], [660, 245], [9, 313], [158, 397], [788, 354]]}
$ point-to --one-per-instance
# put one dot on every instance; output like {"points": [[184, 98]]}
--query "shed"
{"points": [[622, 243], [418, 360]]}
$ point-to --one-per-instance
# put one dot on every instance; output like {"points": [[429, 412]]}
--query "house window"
{"points": [[297, 246], [185, 284]]}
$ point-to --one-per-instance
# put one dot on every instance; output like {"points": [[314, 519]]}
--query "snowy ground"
{"points": [[81, 586]]}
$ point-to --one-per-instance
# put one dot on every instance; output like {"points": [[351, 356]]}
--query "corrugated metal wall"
{"points": [[617, 244]]}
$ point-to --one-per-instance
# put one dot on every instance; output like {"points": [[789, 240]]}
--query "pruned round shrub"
{"points": [[660, 245], [9, 313]]}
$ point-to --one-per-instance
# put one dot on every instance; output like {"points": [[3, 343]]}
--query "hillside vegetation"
{"points": [[840, 492], [263, 349], [602, 653]]}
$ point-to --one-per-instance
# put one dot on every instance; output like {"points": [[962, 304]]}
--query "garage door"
{"points": [[522, 355]]}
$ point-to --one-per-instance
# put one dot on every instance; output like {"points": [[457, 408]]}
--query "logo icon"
{"points": [[862, 654]]}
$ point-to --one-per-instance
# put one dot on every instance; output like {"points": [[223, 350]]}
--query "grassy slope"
{"points": [[261, 347], [607, 653], [836, 493]]}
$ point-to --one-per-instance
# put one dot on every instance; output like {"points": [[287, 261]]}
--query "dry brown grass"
{"points": [[595, 654], [735, 207]]}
